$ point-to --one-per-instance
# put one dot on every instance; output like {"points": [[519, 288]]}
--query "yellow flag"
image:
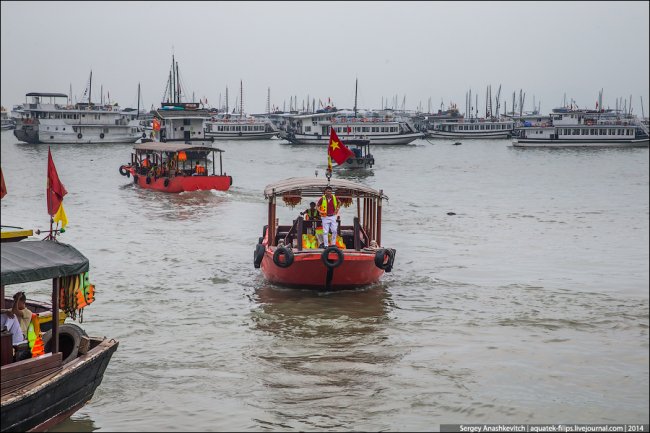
{"points": [[61, 216]]}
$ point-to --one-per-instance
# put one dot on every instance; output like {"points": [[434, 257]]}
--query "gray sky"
{"points": [[420, 50]]}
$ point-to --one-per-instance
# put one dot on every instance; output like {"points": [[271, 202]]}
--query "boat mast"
{"points": [[137, 116], [178, 85], [101, 94], [241, 98], [356, 87], [90, 87], [642, 111], [226, 99], [268, 101]]}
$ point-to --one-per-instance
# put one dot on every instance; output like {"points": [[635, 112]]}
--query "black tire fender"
{"points": [[123, 170], [166, 183], [258, 255], [101, 135], [79, 136], [148, 180], [384, 259], [288, 254], [325, 257], [69, 340], [144, 135]]}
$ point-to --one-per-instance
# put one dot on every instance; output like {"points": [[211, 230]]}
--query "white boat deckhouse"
{"points": [[51, 122], [314, 128], [584, 128]]}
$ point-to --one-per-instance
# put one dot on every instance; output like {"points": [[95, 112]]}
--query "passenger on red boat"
{"points": [[328, 207], [17, 318], [311, 217]]}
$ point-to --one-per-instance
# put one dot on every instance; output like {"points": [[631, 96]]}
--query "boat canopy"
{"points": [[155, 146], [313, 187], [27, 261]]}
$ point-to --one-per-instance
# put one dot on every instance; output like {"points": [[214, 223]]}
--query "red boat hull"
{"points": [[308, 270], [185, 183]]}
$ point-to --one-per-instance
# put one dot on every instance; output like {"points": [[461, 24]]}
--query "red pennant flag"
{"points": [[55, 189], [3, 187], [337, 150]]}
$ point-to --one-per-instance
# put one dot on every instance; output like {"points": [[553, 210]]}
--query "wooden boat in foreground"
{"points": [[39, 392], [172, 167], [284, 260]]}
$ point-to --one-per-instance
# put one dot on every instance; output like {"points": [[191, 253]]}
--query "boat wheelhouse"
{"points": [[240, 127], [584, 128], [314, 128], [288, 253], [176, 167], [45, 389]]}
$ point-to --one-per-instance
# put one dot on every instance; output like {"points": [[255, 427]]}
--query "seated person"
{"points": [[312, 216], [16, 320]]}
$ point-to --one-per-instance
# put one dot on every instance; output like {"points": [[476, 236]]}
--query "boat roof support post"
{"points": [[269, 228], [381, 192], [220, 164], [2, 296], [55, 315], [299, 232], [358, 207], [213, 163]]}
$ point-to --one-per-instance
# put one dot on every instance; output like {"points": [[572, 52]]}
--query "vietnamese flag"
{"points": [[3, 187], [55, 192], [337, 150], [156, 125]]}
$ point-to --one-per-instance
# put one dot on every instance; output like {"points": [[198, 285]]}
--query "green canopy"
{"points": [[27, 261]]}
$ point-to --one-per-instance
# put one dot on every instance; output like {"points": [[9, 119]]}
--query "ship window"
{"points": [[307, 128], [56, 129], [576, 132], [375, 129], [186, 122], [64, 129]]}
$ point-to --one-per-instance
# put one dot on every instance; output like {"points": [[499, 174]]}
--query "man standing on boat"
{"points": [[328, 207]]}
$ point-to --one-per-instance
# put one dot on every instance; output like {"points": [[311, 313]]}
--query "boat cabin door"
{"points": [[186, 136], [326, 130]]}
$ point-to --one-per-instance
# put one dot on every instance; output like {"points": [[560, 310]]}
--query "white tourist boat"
{"points": [[584, 128], [314, 128], [7, 122], [224, 126], [51, 122], [472, 128]]}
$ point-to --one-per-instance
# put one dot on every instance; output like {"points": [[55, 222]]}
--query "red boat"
{"points": [[176, 167], [286, 256]]}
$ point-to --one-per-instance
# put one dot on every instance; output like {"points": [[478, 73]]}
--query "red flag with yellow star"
{"points": [[337, 150]]}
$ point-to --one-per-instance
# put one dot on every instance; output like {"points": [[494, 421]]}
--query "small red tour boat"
{"points": [[176, 167], [288, 256]]}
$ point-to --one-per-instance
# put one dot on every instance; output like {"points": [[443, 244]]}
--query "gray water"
{"points": [[529, 305]]}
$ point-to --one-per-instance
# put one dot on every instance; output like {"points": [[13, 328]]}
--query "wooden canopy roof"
{"points": [[314, 187]]}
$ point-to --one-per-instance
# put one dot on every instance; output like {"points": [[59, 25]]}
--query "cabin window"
{"points": [[375, 129], [576, 132], [307, 128], [366, 129], [186, 122]]}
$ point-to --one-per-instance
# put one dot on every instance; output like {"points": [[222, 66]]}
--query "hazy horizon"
{"points": [[410, 51]]}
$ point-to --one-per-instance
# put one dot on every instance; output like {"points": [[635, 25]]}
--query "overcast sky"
{"points": [[416, 50]]}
